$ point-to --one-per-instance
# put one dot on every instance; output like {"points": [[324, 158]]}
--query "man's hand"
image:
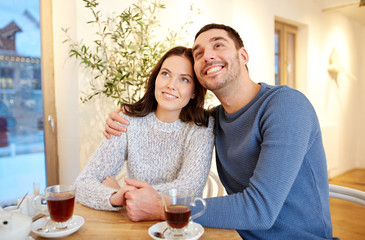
{"points": [[118, 198], [113, 128], [144, 203]]}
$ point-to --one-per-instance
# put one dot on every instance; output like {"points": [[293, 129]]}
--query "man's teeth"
{"points": [[215, 69]]}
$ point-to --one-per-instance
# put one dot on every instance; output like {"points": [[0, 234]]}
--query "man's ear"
{"points": [[244, 55]]}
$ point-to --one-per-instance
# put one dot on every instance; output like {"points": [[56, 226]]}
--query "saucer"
{"points": [[195, 230], [75, 223]]}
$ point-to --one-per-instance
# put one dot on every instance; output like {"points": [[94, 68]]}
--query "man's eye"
{"points": [[198, 54]]}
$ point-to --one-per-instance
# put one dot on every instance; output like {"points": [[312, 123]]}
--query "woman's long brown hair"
{"points": [[193, 111]]}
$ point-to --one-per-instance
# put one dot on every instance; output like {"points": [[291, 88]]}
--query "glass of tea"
{"points": [[177, 206], [60, 203]]}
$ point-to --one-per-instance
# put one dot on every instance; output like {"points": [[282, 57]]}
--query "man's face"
{"points": [[217, 62]]}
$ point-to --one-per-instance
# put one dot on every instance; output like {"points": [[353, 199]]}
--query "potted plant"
{"points": [[124, 51]]}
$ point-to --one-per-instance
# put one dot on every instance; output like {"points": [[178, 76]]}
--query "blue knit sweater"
{"points": [[270, 159]]}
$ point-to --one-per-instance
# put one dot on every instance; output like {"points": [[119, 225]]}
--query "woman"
{"points": [[169, 141]]}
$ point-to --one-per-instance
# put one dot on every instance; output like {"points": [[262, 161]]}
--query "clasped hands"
{"points": [[141, 200]]}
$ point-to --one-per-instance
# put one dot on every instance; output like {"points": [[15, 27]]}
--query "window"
{"points": [[285, 54], [22, 142], [6, 78]]}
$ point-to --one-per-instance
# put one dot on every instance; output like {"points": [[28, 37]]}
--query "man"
{"points": [[270, 156]]}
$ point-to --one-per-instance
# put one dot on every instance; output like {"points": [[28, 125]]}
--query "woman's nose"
{"points": [[171, 84]]}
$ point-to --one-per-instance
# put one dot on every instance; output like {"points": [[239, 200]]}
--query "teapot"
{"points": [[14, 225]]}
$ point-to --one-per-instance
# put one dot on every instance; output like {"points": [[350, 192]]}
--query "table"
{"points": [[116, 225]]}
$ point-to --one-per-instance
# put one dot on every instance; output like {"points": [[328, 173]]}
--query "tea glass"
{"points": [[177, 206], [60, 202]]}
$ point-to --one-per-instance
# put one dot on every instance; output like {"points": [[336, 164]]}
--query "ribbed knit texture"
{"points": [[271, 160], [166, 155]]}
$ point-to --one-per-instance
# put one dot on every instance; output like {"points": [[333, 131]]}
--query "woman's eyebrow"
{"points": [[166, 69], [182, 74], [186, 75]]}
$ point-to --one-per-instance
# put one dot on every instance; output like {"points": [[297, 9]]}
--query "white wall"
{"points": [[339, 109], [67, 93]]}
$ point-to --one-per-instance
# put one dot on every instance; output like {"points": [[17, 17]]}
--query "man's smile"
{"points": [[213, 69]]}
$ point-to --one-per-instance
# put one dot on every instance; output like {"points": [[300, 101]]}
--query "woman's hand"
{"points": [[111, 182], [112, 127], [118, 198]]}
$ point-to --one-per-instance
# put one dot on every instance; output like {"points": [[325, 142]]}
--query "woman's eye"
{"points": [[185, 80], [166, 74]]}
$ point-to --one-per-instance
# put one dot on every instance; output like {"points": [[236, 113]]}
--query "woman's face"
{"points": [[174, 87]]}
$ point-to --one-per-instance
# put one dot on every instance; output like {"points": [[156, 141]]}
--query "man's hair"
{"points": [[233, 34]]}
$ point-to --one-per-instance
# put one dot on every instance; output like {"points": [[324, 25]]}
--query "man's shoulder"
{"points": [[285, 94]]}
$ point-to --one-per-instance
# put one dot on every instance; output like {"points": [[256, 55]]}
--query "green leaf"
{"points": [[124, 49]]}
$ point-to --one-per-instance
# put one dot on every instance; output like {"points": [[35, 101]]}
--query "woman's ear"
{"points": [[193, 95]]}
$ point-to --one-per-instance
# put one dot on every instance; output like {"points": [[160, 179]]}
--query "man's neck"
{"points": [[239, 95]]}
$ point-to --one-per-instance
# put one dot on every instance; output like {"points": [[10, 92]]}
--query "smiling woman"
{"points": [[169, 142]]}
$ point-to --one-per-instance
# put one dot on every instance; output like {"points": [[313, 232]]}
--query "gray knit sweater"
{"points": [[163, 154]]}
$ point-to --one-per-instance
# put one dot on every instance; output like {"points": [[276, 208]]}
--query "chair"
{"points": [[346, 218], [348, 194], [213, 185]]}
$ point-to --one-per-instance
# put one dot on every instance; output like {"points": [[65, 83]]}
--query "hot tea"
{"points": [[61, 206], [177, 216], [177, 203], [60, 203]]}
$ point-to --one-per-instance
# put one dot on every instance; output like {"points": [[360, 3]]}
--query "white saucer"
{"points": [[195, 230], [75, 223]]}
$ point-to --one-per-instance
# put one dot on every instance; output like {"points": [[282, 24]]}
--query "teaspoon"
{"points": [[159, 234], [21, 201]]}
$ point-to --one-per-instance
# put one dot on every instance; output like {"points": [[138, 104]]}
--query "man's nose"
{"points": [[209, 55]]}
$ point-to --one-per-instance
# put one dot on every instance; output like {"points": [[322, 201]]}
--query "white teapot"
{"points": [[14, 225]]}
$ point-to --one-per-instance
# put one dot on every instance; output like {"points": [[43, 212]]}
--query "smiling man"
{"points": [[270, 156]]}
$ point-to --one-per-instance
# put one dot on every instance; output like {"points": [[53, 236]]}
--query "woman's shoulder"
{"points": [[201, 128], [137, 122]]}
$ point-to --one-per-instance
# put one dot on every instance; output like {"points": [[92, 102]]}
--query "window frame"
{"points": [[48, 89], [282, 29]]}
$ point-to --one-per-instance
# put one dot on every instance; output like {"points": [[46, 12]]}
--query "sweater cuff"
{"points": [[108, 204]]}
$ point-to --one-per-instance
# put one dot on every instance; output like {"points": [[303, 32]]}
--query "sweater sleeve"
{"points": [[107, 160], [288, 127], [196, 162]]}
